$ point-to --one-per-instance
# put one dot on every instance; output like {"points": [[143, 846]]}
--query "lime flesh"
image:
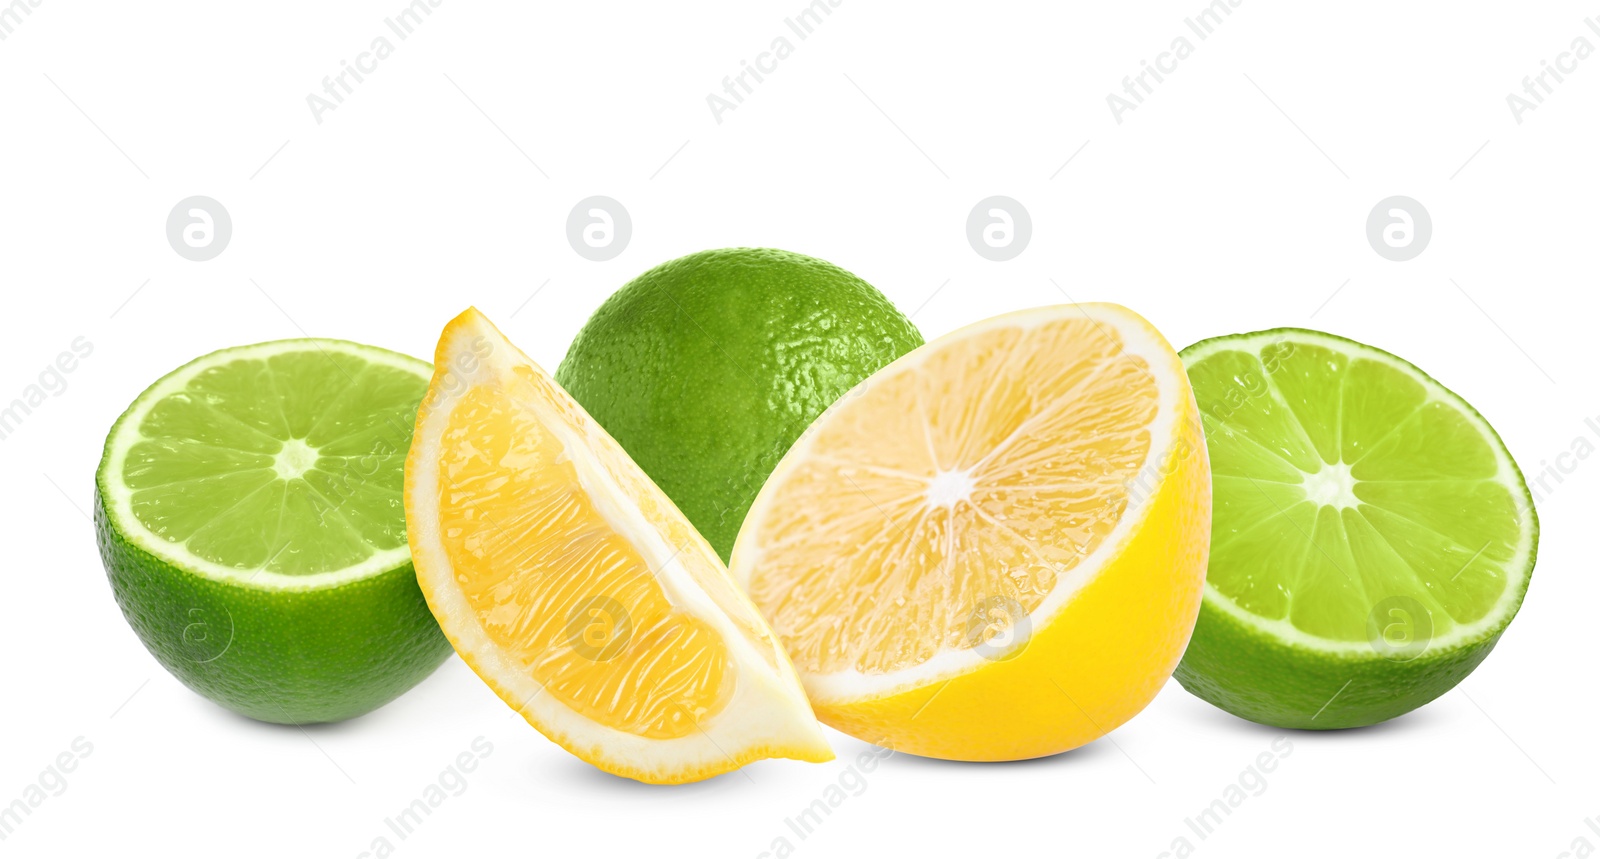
{"points": [[249, 514], [1371, 535]]}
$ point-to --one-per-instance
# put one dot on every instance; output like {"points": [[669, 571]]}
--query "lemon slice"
{"points": [[575, 588], [995, 547]]}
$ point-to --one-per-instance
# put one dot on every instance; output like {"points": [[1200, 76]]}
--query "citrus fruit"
{"points": [[708, 367], [575, 588], [993, 548], [249, 517], [1372, 537]]}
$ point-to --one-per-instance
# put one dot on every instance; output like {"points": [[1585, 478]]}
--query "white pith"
{"points": [[768, 709], [119, 498], [1516, 570], [295, 459], [1139, 339], [1332, 486], [949, 488]]}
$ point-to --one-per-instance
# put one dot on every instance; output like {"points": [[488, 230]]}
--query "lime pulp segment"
{"points": [[279, 464], [1344, 477]]}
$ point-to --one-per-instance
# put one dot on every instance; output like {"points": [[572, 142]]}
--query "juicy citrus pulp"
{"points": [[1368, 523], [761, 340], [575, 588], [946, 545], [250, 520]]}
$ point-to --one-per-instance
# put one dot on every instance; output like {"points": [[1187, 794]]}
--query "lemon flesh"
{"points": [[575, 588]]}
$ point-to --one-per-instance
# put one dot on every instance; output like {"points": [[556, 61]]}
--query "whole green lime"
{"points": [[707, 368], [249, 515]]}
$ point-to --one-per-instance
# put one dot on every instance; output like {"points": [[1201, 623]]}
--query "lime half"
{"points": [[249, 514], [1371, 536]]}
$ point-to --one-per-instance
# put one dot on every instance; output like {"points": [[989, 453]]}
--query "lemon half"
{"points": [[995, 547]]}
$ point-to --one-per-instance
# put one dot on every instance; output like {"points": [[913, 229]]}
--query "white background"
{"points": [[1233, 199]]}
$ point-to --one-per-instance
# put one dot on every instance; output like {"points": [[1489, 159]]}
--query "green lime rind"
{"points": [[290, 657], [1254, 675], [708, 367], [277, 647], [1268, 671]]}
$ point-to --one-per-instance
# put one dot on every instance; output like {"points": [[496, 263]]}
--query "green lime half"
{"points": [[1371, 536], [249, 514]]}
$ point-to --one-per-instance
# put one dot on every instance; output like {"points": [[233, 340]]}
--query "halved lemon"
{"points": [[994, 548], [576, 589]]}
